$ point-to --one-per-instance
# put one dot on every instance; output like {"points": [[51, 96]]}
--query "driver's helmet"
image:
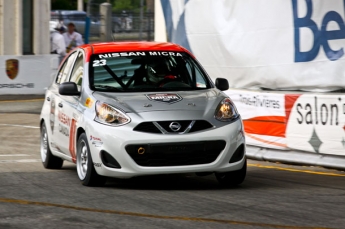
{"points": [[156, 72]]}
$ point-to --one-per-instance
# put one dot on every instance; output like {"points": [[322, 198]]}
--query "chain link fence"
{"points": [[125, 25]]}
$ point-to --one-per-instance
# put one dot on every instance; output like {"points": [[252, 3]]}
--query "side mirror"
{"points": [[222, 84], [69, 89]]}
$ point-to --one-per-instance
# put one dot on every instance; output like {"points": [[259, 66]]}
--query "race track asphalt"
{"points": [[273, 195]]}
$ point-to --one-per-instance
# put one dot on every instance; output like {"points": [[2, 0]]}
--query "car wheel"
{"points": [[86, 171], [232, 178], [49, 161]]}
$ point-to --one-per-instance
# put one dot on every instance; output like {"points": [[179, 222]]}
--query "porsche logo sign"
{"points": [[12, 67]]}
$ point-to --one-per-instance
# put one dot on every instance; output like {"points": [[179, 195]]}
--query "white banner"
{"points": [[280, 44], [310, 122], [30, 74], [263, 116], [317, 124]]}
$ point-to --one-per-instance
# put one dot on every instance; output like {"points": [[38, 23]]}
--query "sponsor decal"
{"points": [[94, 138], [152, 53], [12, 68], [165, 98], [89, 102], [52, 114], [96, 141], [97, 164], [64, 119], [164, 54], [64, 124]]}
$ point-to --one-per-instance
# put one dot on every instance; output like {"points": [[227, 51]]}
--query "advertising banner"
{"points": [[317, 123], [311, 122], [30, 74], [263, 116], [280, 45]]}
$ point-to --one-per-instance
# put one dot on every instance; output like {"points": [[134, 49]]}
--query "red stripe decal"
{"points": [[72, 142]]}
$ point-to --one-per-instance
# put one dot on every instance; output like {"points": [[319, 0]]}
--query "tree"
{"points": [[64, 4], [126, 5]]}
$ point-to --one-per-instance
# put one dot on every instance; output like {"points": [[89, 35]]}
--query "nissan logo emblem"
{"points": [[175, 126]]}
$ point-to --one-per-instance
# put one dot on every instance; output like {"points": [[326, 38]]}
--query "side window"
{"points": [[193, 70], [77, 72], [65, 69]]}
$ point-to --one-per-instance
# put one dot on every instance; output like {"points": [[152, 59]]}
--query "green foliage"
{"points": [[64, 4], [126, 5]]}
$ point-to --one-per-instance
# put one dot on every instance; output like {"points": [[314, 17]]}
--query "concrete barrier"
{"points": [[295, 157]]}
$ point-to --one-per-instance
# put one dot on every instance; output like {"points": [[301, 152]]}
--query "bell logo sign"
{"points": [[321, 35]]}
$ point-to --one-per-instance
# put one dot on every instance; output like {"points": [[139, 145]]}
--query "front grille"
{"points": [[147, 127], [201, 125], [166, 124], [163, 126], [176, 154]]}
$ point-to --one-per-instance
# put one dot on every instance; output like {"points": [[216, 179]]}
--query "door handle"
{"points": [[48, 99], [60, 105]]}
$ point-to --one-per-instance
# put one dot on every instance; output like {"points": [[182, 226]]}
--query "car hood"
{"points": [[162, 101]]}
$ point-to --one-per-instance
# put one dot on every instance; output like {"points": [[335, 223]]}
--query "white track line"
{"points": [[24, 126], [14, 155], [20, 161]]}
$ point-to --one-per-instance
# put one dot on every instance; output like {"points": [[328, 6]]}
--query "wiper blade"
{"points": [[107, 87]]}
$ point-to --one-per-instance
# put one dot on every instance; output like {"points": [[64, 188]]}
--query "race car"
{"points": [[126, 109]]}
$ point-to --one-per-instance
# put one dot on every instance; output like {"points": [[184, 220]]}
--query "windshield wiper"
{"points": [[107, 87]]}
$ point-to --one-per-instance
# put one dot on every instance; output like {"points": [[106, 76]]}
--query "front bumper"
{"points": [[114, 140]]}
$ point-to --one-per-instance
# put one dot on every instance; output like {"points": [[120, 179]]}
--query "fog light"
{"points": [[141, 150]]}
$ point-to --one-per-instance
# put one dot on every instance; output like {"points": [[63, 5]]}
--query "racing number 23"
{"points": [[97, 63]]}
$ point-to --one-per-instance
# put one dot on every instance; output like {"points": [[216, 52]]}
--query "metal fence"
{"points": [[125, 26]]}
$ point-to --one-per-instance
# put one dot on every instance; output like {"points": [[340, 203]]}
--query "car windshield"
{"points": [[146, 71]]}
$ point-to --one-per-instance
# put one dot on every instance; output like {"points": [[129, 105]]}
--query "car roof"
{"points": [[107, 47], [68, 12]]}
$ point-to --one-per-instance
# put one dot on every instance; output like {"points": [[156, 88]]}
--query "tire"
{"points": [[49, 161], [86, 171], [233, 178]]}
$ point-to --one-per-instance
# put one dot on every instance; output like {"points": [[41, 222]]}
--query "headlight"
{"points": [[226, 111], [109, 115]]}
